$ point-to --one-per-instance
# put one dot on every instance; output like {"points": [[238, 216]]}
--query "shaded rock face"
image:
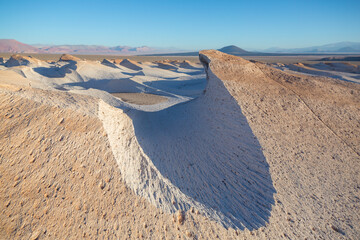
{"points": [[56, 71], [106, 61], [109, 63], [1, 60], [201, 154], [68, 57], [308, 129], [130, 64], [167, 66], [17, 60]]}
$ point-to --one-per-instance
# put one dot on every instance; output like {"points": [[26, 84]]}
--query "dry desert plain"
{"points": [[215, 147]]}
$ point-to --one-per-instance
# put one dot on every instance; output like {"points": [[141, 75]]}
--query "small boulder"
{"points": [[180, 217], [131, 65], [68, 58], [18, 60]]}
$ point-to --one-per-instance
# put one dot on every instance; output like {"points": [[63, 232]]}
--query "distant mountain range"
{"points": [[233, 50], [336, 48], [341, 47], [13, 46]]}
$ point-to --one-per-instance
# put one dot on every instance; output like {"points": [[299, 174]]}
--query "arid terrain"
{"points": [[213, 147], [55, 57], [291, 59]]}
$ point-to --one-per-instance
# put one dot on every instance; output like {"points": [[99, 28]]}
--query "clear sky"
{"points": [[184, 24]]}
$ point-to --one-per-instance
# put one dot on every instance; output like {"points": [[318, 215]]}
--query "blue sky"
{"points": [[184, 24]]}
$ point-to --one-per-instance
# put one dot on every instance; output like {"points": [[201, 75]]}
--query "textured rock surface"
{"points": [[68, 57], [60, 173], [18, 60]]}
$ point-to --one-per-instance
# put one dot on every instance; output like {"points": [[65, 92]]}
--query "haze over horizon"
{"points": [[167, 24]]}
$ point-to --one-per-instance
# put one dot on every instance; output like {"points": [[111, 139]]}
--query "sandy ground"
{"points": [[282, 153]]}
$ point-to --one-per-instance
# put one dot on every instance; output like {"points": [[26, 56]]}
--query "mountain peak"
{"points": [[13, 46], [232, 49]]}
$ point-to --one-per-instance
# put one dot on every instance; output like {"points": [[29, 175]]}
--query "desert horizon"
{"points": [[14, 46]]}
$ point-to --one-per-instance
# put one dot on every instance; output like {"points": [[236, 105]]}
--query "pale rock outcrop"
{"points": [[109, 63], [19, 60], [260, 149], [68, 57], [130, 64]]}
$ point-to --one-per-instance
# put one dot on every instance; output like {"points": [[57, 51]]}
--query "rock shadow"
{"points": [[131, 65], [207, 149], [191, 73], [121, 85], [188, 65], [56, 71], [109, 64], [139, 73], [180, 87], [166, 66], [111, 85]]}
